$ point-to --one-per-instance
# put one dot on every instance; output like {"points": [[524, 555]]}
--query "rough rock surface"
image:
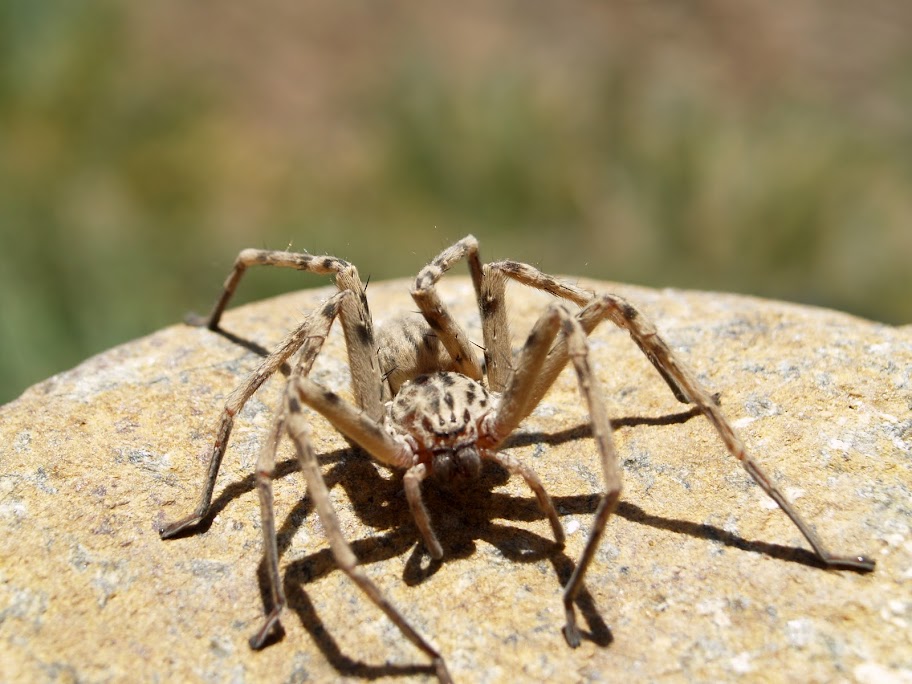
{"points": [[699, 576]]}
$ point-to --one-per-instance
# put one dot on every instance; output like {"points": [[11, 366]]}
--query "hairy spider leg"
{"points": [[435, 312], [305, 337], [370, 435], [511, 411], [357, 324], [265, 465], [680, 379]]}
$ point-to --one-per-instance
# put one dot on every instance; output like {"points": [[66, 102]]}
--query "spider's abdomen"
{"points": [[440, 411]]}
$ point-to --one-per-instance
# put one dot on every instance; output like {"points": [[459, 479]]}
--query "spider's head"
{"points": [[440, 412]]}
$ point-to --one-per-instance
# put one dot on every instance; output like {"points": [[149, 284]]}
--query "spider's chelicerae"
{"points": [[426, 405]]}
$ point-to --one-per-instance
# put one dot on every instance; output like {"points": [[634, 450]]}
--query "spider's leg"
{"points": [[438, 317], [682, 382], [412, 480], [356, 319], [371, 436], [532, 277], [601, 432], [310, 336], [354, 424], [626, 316], [265, 472], [514, 407], [494, 324]]}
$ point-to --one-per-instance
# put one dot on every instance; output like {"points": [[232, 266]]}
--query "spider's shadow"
{"points": [[461, 518]]}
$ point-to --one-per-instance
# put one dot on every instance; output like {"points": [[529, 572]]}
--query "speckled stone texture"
{"points": [[699, 576]]}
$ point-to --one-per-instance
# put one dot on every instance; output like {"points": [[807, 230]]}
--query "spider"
{"points": [[428, 406]]}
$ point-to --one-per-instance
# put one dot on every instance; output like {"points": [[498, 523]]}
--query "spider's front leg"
{"points": [[357, 323], [682, 381], [515, 405], [371, 436], [309, 338]]}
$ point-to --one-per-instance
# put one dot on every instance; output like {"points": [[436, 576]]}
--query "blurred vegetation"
{"points": [[141, 147]]}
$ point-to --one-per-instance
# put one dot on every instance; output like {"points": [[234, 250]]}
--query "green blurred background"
{"points": [[754, 147]]}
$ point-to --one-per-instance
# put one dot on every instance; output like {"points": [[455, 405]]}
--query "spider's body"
{"points": [[440, 417], [427, 405]]}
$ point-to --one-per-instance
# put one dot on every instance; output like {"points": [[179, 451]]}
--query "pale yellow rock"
{"points": [[699, 577]]}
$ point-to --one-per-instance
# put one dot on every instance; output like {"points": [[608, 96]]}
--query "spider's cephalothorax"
{"points": [[424, 405], [440, 416]]}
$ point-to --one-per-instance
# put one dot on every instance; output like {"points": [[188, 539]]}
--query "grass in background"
{"points": [[132, 169]]}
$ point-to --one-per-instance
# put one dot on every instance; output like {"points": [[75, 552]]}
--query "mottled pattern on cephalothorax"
{"points": [[441, 414], [427, 405]]}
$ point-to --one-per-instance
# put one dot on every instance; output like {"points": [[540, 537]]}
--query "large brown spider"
{"points": [[426, 405]]}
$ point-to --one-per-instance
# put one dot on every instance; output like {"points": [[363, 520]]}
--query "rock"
{"points": [[699, 576]]}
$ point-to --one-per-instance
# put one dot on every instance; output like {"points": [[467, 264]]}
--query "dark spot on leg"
{"points": [[489, 306], [629, 312], [294, 405], [365, 336], [331, 397]]}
